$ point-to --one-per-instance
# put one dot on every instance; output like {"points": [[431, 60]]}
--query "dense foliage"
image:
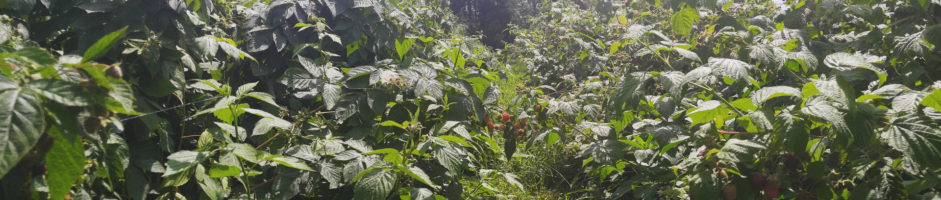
{"points": [[470, 99]]}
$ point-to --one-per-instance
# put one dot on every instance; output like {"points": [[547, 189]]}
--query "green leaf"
{"points": [[455, 139], [219, 171], [21, 123], [693, 76], [451, 158], [183, 160], [392, 155], [842, 61], [430, 86], [264, 97], [211, 187], [209, 110], [794, 132], [671, 145], [121, 98], [767, 54], [682, 22], [66, 93], [265, 124], [704, 185], [299, 78], [834, 90], [391, 123], [421, 194], [402, 47], [552, 138], [744, 104], [823, 109], [418, 174], [353, 171], [804, 58], [867, 97], [338, 7], [245, 89], [260, 113], [809, 89], [233, 51], [848, 92], [360, 71], [65, 162], [791, 45], [37, 55], [735, 149], [237, 131], [332, 173], [627, 93], [375, 185], [383, 151], [933, 100], [932, 34], [103, 45], [687, 54], [244, 151], [348, 155], [707, 111], [383, 76], [137, 183], [916, 137], [231, 113], [425, 79], [291, 162]]}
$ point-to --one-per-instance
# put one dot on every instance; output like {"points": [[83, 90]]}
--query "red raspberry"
{"points": [[759, 179], [770, 192]]}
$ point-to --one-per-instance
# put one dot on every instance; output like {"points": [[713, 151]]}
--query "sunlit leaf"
{"points": [[916, 137], [731, 68], [65, 162], [21, 123], [766, 93], [375, 185], [682, 21], [292, 162]]}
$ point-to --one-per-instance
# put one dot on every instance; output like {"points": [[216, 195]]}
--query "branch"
{"points": [[190, 136], [256, 186], [273, 137]]}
